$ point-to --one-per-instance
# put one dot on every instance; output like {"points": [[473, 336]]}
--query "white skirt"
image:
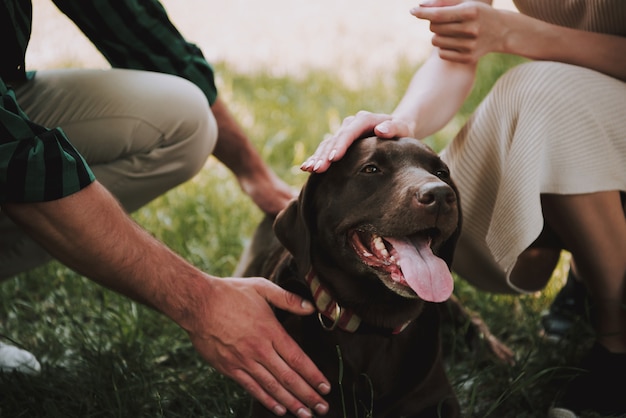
{"points": [[544, 128]]}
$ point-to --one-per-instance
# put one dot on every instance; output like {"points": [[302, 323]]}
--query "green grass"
{"points": [[104, 356]]}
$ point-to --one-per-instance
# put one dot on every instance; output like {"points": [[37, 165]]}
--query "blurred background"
{"points": [[353, 37]]}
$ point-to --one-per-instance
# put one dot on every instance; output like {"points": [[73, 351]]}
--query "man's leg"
{"points": [[142, 133]]}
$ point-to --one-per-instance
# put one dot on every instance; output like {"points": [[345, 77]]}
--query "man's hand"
{"points": [[239, 335], [229, 321]]}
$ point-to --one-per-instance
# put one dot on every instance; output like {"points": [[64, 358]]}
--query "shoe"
{"points": [[598, 388], [18, 360], [570, 306]]}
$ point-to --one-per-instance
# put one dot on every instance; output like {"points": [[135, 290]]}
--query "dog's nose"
{"points": [[436, 194]]}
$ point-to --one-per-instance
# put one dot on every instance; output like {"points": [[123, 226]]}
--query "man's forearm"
{"points": [[89, 232], [232, 148]]}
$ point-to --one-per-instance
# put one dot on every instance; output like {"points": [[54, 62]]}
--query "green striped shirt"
{"points": [[40, 164]]}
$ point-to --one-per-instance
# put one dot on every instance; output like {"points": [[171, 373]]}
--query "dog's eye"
{"points": [[442, 174], [370, 169]]}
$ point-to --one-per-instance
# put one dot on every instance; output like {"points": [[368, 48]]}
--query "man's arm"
{"points": [[233, 148], [139, 35], [90, 232]]}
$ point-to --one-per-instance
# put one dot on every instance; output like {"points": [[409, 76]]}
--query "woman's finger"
{"points": [[334, 147]]}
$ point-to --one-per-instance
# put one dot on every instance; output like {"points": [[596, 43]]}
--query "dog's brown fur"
{"points": [[390, 188]]}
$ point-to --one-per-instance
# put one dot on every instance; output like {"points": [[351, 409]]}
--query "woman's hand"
{"points": [[361, 125], [464, 31]]}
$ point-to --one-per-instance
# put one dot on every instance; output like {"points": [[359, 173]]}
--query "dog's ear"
{"points": [[293, 226]]}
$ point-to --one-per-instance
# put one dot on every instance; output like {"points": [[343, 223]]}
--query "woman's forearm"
{"points": [[435, 94], [467, 31], [538, 40]]}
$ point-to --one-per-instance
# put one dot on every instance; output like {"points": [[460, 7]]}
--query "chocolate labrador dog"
{"points": [[370, 242]]}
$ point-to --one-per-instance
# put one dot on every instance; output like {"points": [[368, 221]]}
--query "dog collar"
{"points": [[329, 309]]}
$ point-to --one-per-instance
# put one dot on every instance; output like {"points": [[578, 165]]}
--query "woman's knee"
{"points": [[542, 84]]}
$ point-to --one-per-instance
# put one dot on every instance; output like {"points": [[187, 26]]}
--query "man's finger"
{"points": [[256, 391], [283, 299], [285, 388], [292, 367], [298, 373]]}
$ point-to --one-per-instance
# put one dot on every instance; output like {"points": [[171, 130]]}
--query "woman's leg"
{"points": [[535, 265], [593, 227]]}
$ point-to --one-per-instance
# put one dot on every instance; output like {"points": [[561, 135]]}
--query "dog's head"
{"points": [[383, 220]]}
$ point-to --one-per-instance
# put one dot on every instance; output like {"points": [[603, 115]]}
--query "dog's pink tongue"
{"points": [[427, 274]]}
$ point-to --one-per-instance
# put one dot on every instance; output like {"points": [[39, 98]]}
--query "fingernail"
{"points": [[317, 165], [324, 388], [279, 410], [331, 157], [320, 408], [307, 164], [304, 413], [307, 305], [383, 128]]}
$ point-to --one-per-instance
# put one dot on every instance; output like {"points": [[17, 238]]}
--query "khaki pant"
{"points": [[142, 133]]}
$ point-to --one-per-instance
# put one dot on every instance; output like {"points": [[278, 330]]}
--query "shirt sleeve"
{"points": [[36, 164], [139, 35]]}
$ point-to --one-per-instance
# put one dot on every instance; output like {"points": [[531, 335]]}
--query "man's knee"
{"points": [[194, 131]]}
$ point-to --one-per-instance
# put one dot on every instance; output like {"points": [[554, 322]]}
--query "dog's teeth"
{"points": [[380, 246]]}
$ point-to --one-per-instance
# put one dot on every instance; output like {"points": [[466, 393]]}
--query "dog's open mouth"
{"points": [[408, 261]]}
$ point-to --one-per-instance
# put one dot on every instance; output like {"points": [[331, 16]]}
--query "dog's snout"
{"points": [[435, 194]]}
